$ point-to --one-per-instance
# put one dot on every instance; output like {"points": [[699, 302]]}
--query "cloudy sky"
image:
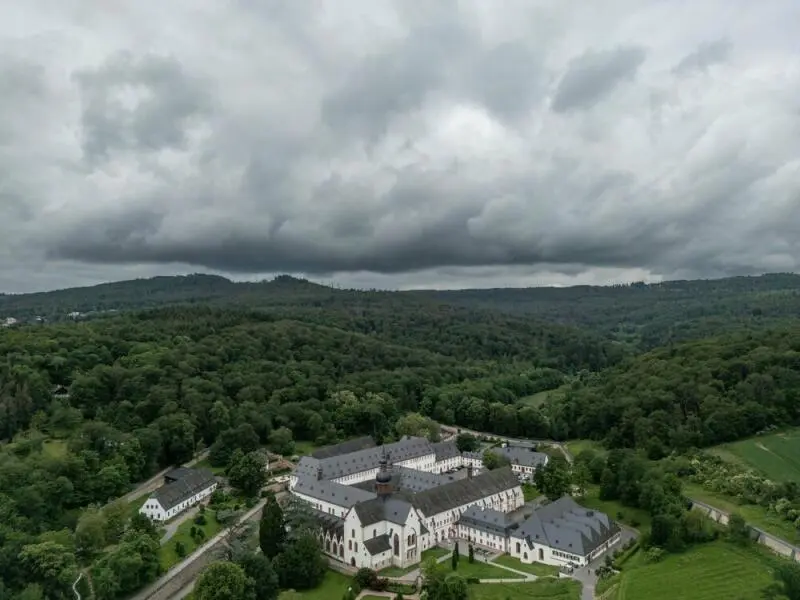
{"points": [[398, 143]]}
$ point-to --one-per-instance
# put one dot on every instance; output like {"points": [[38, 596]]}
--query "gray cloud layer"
{"points": [[397, 143]]}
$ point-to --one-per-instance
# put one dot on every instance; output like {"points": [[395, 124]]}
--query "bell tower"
{"points": [[383, 480]]}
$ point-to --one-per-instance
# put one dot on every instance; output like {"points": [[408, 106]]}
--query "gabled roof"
{"points": [[378, 544], [568, 527], [526, 457], [344, 447], [191, 482], [409, 480], [447, 497], [487, 519], [330, 491], [334, 467], [329, 523], [394, 510], [445, 450], [177, 473]]}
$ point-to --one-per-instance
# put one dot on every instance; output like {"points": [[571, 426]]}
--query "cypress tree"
{"points": [[271, 529]]}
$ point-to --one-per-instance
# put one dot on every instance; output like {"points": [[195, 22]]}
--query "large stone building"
{"points": [[182, 489], [383, 506]]}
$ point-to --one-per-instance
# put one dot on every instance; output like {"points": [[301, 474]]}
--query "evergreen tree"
{"points": [[271, 530], [454, 557]]}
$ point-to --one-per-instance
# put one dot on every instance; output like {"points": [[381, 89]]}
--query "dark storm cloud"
{"points": [[595, 74], [399, 139], [139, 103]]}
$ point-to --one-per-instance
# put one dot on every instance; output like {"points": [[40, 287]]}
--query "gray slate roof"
{"points": [[445, 450], [488, 520], [344, 448], [334, 467], [329, 523], [330, 491], [394, 510], [523, 456], [409, 480], [568, 527], [447, 497], [378, 544], [190, 482]]}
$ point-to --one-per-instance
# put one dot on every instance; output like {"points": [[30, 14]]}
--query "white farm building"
{"points": [[182, 489]]}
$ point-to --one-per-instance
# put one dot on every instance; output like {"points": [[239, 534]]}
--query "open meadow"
{"points": [[716, 571], [776, 456], [551, 589]]}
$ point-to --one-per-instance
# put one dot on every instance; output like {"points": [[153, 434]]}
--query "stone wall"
{"points": [[775, 544]]}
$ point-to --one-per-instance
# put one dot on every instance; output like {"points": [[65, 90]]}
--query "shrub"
{"points": [[365, 578], [180, 549], [654, 554], [200, 520]]}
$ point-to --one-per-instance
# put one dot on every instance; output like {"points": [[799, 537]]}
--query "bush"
{"points": [[202, 509], [654, 554], [193, 532], [200, 520], [365, 578], [473, 580], [180, 549], [381, 584]]}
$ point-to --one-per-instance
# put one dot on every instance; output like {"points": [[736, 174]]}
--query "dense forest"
{"points": [[153, 371], [691, 395]]}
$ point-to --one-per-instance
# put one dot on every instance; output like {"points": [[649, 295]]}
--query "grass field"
{"points": [[633, 517], [434, 552], [537, 569], [776, 456], [540, 398], [716, 571], [333, 587], [167, 555], [551, 589], [482, 570]]}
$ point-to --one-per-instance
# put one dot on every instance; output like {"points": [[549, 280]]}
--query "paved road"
{"points": [[190, 568]]}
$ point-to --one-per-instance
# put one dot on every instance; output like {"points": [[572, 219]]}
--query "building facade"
{"points": [[383, 506], [182, 489]]}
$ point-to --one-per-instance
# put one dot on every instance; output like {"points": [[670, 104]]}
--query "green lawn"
{"points": [[550, 589], [54, 448], [167, 556], [305, 448], [752, 513], [634, 517], [537, 569], [578, 446], [540, 398], [482, 570], [716, 571], [204, 464], [776, 456], [436, 552], [333, 587]]}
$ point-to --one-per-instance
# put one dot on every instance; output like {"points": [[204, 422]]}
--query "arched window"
{"points": [[349, 544], [541, 554], [352, 533], [396, 545], [525, 556], [355, 547], [341, 550]]}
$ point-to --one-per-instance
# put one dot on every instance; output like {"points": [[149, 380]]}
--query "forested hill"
{"points": [[642, 316], [646, 316], [688, 395]]}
